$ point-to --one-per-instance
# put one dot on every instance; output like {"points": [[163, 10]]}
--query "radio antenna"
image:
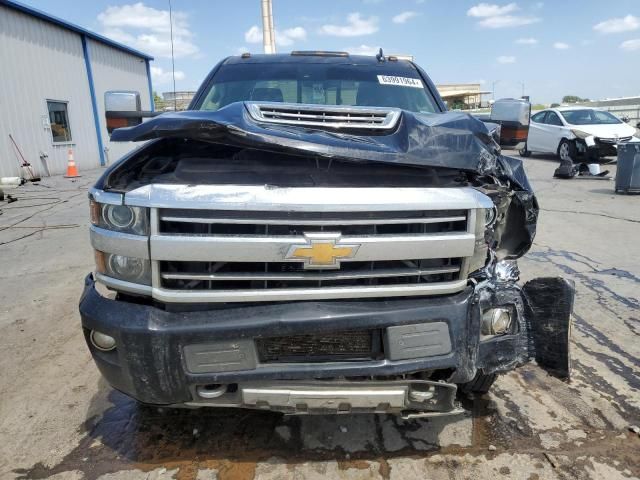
{"points": [[173, 62]]}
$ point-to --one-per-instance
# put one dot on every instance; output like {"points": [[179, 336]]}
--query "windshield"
{"points": [[589, 117], [321, 84]]}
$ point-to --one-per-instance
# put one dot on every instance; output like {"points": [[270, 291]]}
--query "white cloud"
{"points": [[504, 59], [631, 45], [162, 77], [356, 26], [561, 46], [507, 21], [491, 10], [617, 25], [284, 38], [253, 35], [499, 16], [148, 29], [527, 41], [362, 50], [404, 16], [290, 35]]}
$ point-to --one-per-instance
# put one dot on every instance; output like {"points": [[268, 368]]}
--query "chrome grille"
{"points": [[613, 141], [235, 243], [211, 222], [254, 227], [324, 115], [278, 275]]}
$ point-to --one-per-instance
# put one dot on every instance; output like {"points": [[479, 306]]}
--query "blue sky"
{"points": [[589, 48]]}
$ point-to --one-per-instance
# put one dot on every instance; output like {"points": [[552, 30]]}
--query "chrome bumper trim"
{"points": [[330, 397], [305, 199], [410, 398], [120, 243], [296, 294], [122, 286], [109, 198]]}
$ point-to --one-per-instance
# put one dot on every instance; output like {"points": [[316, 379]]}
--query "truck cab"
{"points": [[316, 234]]}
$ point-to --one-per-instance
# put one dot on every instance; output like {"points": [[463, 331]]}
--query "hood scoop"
{"points": [[327, 116]]}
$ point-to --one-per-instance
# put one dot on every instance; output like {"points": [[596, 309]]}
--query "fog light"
{"points": [[102, 341], [126, 267], [496, 321]]}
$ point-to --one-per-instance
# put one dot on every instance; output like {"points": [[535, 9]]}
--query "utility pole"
{"points": [[493, 89], [522, 83], [268, 32]]}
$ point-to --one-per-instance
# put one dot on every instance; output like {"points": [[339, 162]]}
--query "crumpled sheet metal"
{"points": [[543, 309], [451, 140], [447, 140]]}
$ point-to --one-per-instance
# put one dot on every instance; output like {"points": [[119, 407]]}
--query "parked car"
{"points": [[576, 133], [317, 234]]}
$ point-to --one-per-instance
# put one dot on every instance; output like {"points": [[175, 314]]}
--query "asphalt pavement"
{"points": [[59, 419]]}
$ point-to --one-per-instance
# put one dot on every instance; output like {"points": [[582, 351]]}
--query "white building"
{"points": [[54, 77], [177, 100]]}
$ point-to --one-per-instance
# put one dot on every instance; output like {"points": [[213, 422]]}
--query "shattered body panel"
{"points": [[452, 141], [428, 150]]}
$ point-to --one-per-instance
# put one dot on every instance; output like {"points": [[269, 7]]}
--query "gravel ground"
{"points": [[58, 418]]}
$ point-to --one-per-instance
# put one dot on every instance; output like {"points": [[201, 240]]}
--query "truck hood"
{"points": [[448, 140]]}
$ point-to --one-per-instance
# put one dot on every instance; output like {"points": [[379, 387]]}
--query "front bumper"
{"points": [[153, 361]]}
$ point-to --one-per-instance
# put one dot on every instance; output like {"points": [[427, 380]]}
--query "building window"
{"points": [[59, 121]]}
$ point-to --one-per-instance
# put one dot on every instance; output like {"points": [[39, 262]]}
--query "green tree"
{"points": [[573, 99], [158, 101]]}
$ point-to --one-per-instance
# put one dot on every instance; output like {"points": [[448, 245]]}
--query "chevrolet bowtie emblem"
{"points": [[322, 250]]}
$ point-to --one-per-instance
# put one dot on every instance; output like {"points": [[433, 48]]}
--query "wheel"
{"points": [[564, 150], [523, 152], [481, 383]]}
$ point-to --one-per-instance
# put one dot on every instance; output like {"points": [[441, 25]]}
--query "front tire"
{"points": [[523, 152], [565, 150], [481, 383]]}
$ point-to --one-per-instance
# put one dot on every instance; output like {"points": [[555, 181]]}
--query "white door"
{"points": [[553, 131], [534, 140]]}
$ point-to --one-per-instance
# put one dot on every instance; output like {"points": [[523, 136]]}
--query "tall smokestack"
{"points": [[268, 33]]}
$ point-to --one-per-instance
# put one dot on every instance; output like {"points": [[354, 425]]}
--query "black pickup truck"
{"points": [[316, 234]]}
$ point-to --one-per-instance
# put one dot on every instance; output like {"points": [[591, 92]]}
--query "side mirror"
{"points": [[513, 115], [123, 109]]}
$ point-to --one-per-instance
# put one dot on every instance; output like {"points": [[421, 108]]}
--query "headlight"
{"points": [[580, 134], [496, 321], [120, 218], [129, 269], [484, 219], [490, 215]]}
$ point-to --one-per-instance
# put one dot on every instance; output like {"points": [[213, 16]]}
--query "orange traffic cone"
{"points": [[72, 170]]}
